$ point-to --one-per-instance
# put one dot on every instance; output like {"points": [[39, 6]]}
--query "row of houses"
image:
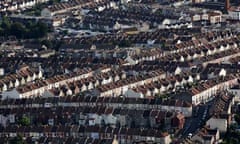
{"points": [[235, 90], [204, 50], [235, 60], [162, 86], [207, 90], [76, 4], [206, 135], [78, 86], [219, 57], [158, 36], [82, 140], [120, 87], [143, 55], [221, 112], [178, 40], [206, 39], [227, 56], [184, 71], [22, 76], [123, 135], [14, 5], [174, 68], [177, 106], [95, 116], [114, 19], [38, 87], [211, 17]]}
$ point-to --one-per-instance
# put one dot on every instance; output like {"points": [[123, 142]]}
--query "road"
{"points": [[194, 123]]}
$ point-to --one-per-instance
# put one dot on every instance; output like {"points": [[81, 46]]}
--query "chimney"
{"points": [[227, 4]]}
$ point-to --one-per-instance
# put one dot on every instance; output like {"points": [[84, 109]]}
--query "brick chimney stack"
{"points": [[227, 4]]}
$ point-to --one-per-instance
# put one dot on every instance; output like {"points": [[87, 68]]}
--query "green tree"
{"points": [[24, 121], [17, 140], [51, 2], [5, 23], [47, 43], [65, 32], [18, 30], [237, 118], [1, 31], [5, 26], [42, 29], [125, 43]]}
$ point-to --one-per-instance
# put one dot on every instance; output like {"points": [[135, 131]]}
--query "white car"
{"points": [[189, 135]]}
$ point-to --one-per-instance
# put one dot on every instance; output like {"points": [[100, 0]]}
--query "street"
{"points": [[197, 120]]}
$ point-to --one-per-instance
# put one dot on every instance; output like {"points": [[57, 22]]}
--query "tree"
{"points": [[51, 2], [232, 136], [17, 29], [57, 44], [42, 29], [125, 43], [24, 121], [5, 23], [23, 30], [5, 26], [237, 118], [1, 31], [65, 32], [17, 140], [47, 43]]}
